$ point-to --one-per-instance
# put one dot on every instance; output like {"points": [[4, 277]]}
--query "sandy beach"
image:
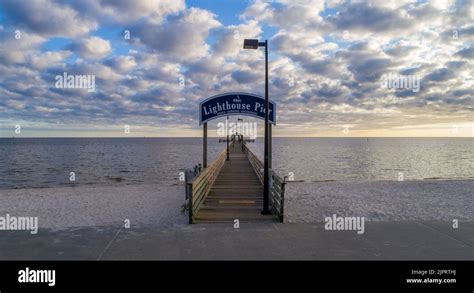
{"points": [[417, 200], [160, 205], [405, 220], [86, 206]]}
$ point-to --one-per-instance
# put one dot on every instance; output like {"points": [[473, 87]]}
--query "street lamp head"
{"points": [[251, 44]]}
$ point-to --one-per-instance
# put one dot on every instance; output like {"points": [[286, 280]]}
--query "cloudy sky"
{"points": [[155, 60]]}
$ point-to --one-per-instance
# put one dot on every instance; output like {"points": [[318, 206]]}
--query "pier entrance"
{"points": [[232, 189], [236, 193]]}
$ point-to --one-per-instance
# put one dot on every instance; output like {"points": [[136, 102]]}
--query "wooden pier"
{"points": [[232, 189]]}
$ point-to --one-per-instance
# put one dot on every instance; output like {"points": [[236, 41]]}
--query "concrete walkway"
{"points": [[402, 240]]}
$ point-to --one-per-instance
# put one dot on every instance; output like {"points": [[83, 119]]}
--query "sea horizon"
{"points": [[48, 161]]}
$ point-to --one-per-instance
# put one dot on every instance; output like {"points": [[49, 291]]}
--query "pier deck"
{"points": [[237, 192]]}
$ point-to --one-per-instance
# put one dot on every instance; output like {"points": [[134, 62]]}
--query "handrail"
{"points": [[255, 162], [199, 186], [277, 194], [277, 184]]}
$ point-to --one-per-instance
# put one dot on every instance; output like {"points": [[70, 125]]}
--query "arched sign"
{"points": [[226, 104]]}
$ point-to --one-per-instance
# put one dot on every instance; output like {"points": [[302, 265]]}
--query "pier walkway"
{"points": [[232, 189]]}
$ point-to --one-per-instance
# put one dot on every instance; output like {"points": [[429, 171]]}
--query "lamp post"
{"points": [[254, 44]]}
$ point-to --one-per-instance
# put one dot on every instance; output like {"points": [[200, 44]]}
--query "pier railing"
{"points": [[277, 184], [198, 187], [254, 161], [277, 194]]}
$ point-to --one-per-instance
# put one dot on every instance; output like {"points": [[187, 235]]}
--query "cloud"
{"points": [[16, 50], [363, 16], [440, 74], [229, 39], [129, 11], [368, 69], [91, 48], [121, 64], [46, 18], [124, 12], [467, 53], [44, 60], [182, 38], [244, 76], [326, 60], [287, 14]]}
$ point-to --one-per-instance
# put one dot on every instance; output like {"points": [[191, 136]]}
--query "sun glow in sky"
{"points": [[337, 68]]}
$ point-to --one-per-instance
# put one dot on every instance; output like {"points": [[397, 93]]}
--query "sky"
{"points": [[337, 68]]}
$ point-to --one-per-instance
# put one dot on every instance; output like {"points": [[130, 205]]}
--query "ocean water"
{"points": [[47, 162], [324, 159]]}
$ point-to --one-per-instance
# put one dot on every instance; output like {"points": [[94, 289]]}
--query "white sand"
{"points": [[160, 205], [60, 207], [381, 200]]}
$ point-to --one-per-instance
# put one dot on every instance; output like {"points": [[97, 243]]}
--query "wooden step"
{"points": [[237, 187], [233, 200], [216, 217], [231, 209], [234, 197]]}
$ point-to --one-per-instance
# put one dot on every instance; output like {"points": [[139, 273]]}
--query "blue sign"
{"points": [[235, 104]]}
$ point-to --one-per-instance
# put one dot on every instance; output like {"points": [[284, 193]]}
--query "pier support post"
{"points": [[204, 145]]}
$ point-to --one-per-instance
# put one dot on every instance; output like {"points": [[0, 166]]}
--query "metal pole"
{"points": [[270, 142], [266, 187], [190, 202], [227, 131], [204, 145]]}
